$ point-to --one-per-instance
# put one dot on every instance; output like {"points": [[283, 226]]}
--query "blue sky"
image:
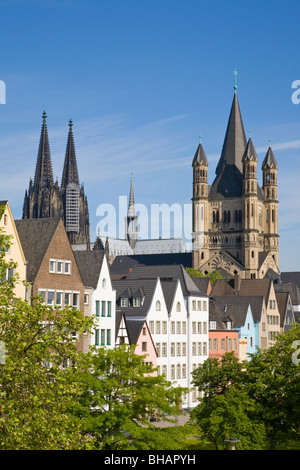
{"points": [[141, 81]]}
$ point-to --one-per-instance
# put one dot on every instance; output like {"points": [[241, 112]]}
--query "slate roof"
{"points": [[250, 152], [290, 287], [170, 273], [200, 156], [203, 283], [123, 264], [134, 328], [269, 160], [282, 301], [132, 286], [293, 277], [35, 236], [235, 308], [248, 287], [89, 264], [228, 182]]}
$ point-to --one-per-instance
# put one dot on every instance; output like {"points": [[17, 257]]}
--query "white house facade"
{"points": [[178, 325]]}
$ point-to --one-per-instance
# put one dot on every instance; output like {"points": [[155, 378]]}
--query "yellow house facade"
{"points": [[15, 252]]}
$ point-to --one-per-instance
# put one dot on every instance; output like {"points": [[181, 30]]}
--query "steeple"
{"points": [[235, 139], [131, 219], [200, 157], [131, 207], [43, 172], [70, 172]]}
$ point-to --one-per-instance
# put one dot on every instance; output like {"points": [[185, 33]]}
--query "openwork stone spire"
{"points": [[43, 173], [70, 172]]}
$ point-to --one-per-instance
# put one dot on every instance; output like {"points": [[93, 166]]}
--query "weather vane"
{"points": [[235, 79]]}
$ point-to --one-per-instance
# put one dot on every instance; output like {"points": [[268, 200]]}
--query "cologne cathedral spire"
{"points": [[43, 171], [45, 199]]}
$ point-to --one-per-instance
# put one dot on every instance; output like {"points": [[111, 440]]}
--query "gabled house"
{"points": [[52, 271], [286, 310], [99, 295], [15, 252], [236, 314], [140, 336], [176, 313], [269, 318], [222, 337]]}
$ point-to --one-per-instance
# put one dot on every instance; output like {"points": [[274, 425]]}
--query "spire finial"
{"points": [[70, 123], [44, 116], [250, 134], [200, 138], [235, 79], [269, 142]]}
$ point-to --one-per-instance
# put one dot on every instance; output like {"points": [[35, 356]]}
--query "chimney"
{"points": [[237, 283]]}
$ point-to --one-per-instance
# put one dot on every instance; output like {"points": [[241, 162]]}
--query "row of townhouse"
{"points": [[174, 321], [171, 315], [249, 313]]}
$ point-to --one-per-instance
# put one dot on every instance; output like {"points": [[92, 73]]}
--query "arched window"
{"points": [[104, 283], [178, 307], [158, 305]]}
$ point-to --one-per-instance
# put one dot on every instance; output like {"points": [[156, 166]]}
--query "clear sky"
{"points": [[142, 80]]}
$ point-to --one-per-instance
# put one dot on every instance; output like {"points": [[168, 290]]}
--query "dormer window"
{"points": [[136, 301], [124, 302]]}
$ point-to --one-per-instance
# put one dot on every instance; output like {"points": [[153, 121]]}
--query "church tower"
{"points": [[235, 221], [200, 194], [46, 199], [42, 199], [271, 238], [76, 215], [131, 221], [250, 209]]}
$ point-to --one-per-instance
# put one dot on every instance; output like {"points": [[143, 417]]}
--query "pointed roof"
{"points": [[35, 236], [70, 172], [229, 179], [269, 160], [43, 172], [200, 156], [131, 207], [250, 153], [89, 264], [235, 139]]}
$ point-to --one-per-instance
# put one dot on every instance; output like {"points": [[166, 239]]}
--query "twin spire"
{"points": [[44, 173]]}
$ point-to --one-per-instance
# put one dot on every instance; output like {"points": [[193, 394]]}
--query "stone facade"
{"points": [[235, 221], [46, 199]]}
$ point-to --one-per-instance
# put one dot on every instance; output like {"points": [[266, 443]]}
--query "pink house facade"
{"points": [[223, 341]]}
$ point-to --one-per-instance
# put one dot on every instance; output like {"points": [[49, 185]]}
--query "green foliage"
{"points": [[212, 276], [257, 401], [120, 392]]}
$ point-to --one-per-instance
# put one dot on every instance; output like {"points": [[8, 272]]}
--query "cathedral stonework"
{"points": [[46, 199], [235, 221]]}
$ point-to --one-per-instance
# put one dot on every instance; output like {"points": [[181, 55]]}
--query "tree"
{"points": [[36, 392], [198, 273], [215, 376], [272, 378], [230, 415], [263, 392], [120, 392]]}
